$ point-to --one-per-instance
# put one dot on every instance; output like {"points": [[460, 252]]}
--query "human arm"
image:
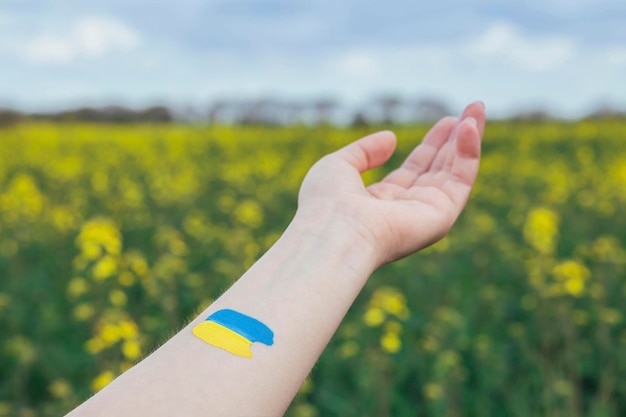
{"points": [[303, 286]]}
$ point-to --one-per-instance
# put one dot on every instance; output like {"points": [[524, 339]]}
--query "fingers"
{"points": [[465, 165], [369, 152], [438, 149], [468, 141], [464, 168], [452, 146], [420, 160], [445, 158], [477, 111]]}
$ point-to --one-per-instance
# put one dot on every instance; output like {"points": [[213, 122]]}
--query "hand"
{"points": [[412, 207]]}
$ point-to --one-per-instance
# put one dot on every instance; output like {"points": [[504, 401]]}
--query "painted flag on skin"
{"points": [[234, 332]]}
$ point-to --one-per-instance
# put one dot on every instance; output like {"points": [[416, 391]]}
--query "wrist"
{"points": [[336, 235]]}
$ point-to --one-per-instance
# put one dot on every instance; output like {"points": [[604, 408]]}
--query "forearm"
{"points": [[301, 289]]}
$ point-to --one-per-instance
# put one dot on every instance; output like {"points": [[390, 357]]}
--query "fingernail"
{"points": [[472, 121], [482, 104]]}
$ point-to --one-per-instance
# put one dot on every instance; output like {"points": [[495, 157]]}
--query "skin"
{"points": [[303, 286]]}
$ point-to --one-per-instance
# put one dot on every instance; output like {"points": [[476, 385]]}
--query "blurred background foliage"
{"points": [[111, 237]]}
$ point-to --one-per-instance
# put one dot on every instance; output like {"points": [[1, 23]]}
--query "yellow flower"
{"points": [[91, 250], [608, 249], [63, 218], [126, 279], [571, 269], [562, 387], [110, 333], [433, 391], [100, 182], [451, 316], [597, 291], [131, 350], [117, 298], [22, 349], [610, 316], [125, 366], [60, 388], [396, 305], [307, 386], [390, 342], [305, 410], [139, 264], [99, 232], [5, 408], [390, 300], [22, 201], [573, 275], [393, 327], [178, 248], [430, 344], [128, 329], [84, 311], [102, 380], [95, 345], [106, 267], [575, 287], [541, 230], [249, 213], [374, 317], [77, 287], [348, 349]]}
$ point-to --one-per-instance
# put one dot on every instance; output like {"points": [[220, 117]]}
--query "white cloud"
{"points": [[359, 63], [504, 42], [99, 36], [378, 63], [616, 56], [51, 49], [91, 37]]}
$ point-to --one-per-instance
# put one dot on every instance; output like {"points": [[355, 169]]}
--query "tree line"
{"points": [[385, 109]]}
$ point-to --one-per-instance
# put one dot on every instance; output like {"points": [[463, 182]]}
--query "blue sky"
{"points": [[564, 55]]}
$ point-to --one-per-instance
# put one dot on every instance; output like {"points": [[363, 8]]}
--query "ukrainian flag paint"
{"points": [[234, 332]]}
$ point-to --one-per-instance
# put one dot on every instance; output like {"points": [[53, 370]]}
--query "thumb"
{"points": [[369, 152]]}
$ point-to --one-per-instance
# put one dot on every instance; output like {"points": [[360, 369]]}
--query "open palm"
{"points": [[417, 203]]}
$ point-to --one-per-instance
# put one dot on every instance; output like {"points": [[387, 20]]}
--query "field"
{"points": [[111, 237]]}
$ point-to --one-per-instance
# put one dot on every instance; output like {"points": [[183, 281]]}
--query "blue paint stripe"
{"points": [[248, 327]]}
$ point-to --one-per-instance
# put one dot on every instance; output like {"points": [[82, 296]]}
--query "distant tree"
{"points": [[427, 110], [325, 109], [359, 120], [110, 114], [293, 112], [158, 114], [250, 112], [263, 111], [389, 106], [532, 115], [117, 114], [216, 111], [606, 112], [9, 117]]}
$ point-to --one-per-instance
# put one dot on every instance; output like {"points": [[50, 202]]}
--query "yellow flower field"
{"points": [[112, 237]]}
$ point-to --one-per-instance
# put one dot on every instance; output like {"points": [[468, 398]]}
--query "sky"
{"points": [[566, 56]]}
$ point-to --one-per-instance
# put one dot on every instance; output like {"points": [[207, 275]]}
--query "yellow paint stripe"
{"points": [[223, 338]]}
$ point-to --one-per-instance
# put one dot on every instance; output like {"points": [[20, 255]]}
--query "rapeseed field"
{"points": [[112, 237]]}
